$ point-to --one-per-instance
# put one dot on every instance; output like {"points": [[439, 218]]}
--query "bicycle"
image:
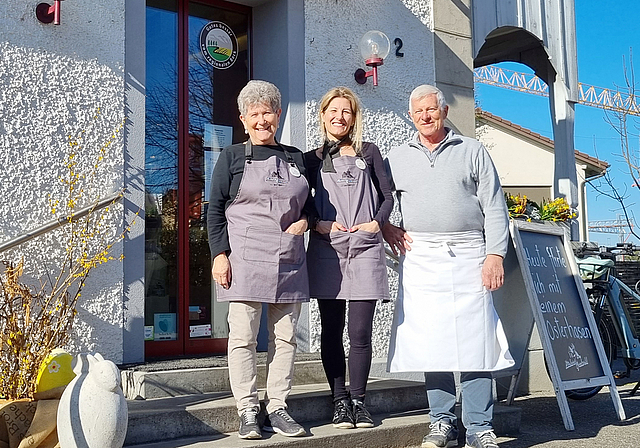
{"points": [[610, 299]]}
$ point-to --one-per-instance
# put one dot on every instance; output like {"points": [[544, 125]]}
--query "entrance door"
{"points": [[197, 62]]}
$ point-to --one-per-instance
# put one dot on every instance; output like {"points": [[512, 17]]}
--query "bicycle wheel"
{"points": [[606, 334], [632, 364]]}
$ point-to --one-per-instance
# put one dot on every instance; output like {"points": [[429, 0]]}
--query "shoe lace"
{"points": [[488, 439], [439, 428], [341, 409], [285, 415], [249, 417], [359, 408]]}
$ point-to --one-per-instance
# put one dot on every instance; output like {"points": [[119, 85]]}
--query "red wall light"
{"points": [[374, 47], [47, 13]]}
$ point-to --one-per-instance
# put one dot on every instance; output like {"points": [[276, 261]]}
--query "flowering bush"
{"points": [[520, 207], [35, 319]]}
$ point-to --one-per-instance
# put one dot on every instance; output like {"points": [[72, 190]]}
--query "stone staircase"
{"points": [[193, 407]]}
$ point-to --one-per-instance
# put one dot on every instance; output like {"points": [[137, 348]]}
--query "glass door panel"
{"points": [[162, 317], [218, 69], [197, 61]]}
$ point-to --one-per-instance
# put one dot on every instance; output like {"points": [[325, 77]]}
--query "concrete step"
{"points": [[140, 384], [214, 414], [392, 430]]}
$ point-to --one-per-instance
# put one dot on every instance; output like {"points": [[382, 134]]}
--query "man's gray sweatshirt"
{"points": [[454, 188]]}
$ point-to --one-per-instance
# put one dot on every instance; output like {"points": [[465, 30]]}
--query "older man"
{"points": [[453, 239]]}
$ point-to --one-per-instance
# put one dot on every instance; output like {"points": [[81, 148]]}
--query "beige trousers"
{"points": [[244, 323]]}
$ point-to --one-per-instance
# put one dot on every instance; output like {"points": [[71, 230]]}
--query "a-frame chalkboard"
{"points": [[568, 332]]}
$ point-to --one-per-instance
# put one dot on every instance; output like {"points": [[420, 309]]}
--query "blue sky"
{"points": [[604, 36]]}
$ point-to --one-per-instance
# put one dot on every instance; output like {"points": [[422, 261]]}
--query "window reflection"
{"points": [[161, 173]]}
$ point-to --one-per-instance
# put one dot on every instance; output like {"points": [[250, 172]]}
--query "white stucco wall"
{"points": [[57, 82], [518, 161], [335, 28]]}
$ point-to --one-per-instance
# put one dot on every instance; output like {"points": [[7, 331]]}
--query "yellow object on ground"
{"points": [[55, 371]]}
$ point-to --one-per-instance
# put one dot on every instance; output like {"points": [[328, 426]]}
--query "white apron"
{"points": [[444, 318]]}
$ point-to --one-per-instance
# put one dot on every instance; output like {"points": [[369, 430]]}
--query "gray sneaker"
{"points": [[442, 434], [249, 428], [281, 422], [484, 439]]}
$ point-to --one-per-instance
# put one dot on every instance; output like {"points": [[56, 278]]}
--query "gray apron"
{"points": [[345, 265], [267, 264]]}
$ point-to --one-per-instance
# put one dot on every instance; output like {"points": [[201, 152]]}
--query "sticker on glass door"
{"points": [[219, 45]]}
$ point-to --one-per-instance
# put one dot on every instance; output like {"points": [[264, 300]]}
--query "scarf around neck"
{"points": [[329, 151]]}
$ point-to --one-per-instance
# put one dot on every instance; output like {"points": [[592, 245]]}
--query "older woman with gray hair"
{"points": [[257, 215]]}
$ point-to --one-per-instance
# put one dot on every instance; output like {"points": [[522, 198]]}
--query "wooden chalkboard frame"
{"points": [[560, 386]]}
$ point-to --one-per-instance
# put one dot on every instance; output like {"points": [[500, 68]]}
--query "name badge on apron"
{"points": [[295, 172], [361, 164]]}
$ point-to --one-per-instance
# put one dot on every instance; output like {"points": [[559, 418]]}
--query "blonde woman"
{"points": [[345, 257]]}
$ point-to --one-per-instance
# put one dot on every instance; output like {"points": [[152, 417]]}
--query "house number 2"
{"points": [[398, 43]]}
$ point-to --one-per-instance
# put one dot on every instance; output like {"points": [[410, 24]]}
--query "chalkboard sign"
{"points": [[561, 310], [560, 303]]}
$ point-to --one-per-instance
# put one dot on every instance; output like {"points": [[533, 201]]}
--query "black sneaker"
{"points": [[281, 422], [342, 415], [361, 415], [484, 439], [249, 428], [442, 434]]}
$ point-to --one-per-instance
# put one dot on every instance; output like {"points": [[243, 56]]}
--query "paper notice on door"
{"points": [[199, 331], [164, 327], [216, 137]]}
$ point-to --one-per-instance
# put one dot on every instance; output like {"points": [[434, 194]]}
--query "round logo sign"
{"points": [[218, 45]]}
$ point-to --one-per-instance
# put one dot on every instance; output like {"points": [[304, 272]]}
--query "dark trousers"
{"points": [[332, 317]]}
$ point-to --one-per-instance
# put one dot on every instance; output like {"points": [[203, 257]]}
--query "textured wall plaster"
{"points": [[60, 84], [332, 32], [88, 30]]}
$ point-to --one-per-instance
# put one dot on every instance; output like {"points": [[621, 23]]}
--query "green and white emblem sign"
{"points": [[218, 45]]}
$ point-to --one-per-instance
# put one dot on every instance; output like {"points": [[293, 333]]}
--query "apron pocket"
{"points": [[365, 245], [261, 245], [291, 248]]}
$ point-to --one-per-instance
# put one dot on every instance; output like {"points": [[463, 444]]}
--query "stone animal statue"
{"points": [[93, 411]]}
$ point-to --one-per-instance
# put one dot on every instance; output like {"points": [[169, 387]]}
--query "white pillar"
{"points": [[565, 182]]}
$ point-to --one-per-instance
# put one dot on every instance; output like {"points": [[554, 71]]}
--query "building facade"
{"points": [[531, 172], [139, 96]]}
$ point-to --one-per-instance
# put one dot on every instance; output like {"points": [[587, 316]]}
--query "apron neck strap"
{"points": [[248, 153]]}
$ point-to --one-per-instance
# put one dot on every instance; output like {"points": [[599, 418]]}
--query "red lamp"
{"points": [[47, 13], [374, 47]]}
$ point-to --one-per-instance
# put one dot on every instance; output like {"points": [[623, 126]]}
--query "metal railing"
{"points": [[393, 261], [57, 223]]}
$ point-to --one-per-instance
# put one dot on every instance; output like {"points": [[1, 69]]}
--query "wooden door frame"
{"points": [[184, 345]]}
